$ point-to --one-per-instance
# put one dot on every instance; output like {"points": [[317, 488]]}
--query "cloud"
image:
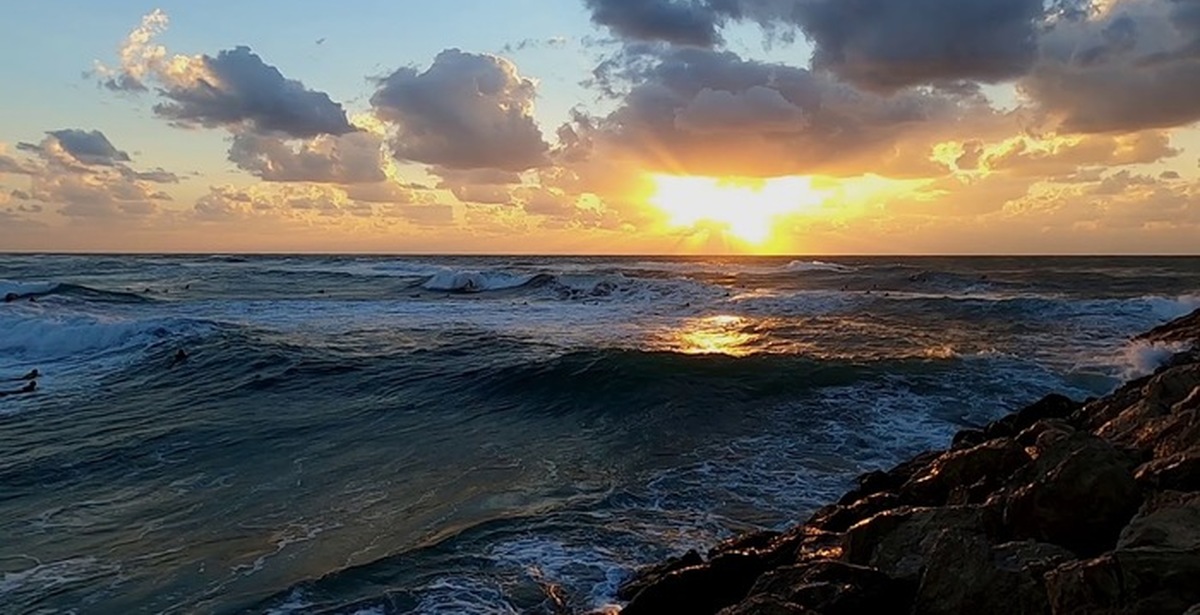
{"points": [[886, 45], [235, 89], [680, 22], [698, 111], [89, 147], [353, 158], [84, 176], [1131, 66], [467, 111]]}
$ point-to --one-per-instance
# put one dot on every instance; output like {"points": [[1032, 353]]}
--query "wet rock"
{"points": [[1141, 581], [966, 438], [1080, 502], [649, 575], [702, 589], [1184, 329], [1179, 472], [1052, 406], [839, 518], [750, 540], [835, 588], [1139, 417], [974, 471], [898, 542], [889, 481], [965, 573], [766, 605], [1169, 520]]}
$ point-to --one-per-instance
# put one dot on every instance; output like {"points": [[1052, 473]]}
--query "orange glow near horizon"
{"points": [[746, 209]]}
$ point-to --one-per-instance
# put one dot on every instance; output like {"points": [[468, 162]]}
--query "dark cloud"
{"points": [[466, 111], [236, 88], [89, 146], [886, 45], [681, 22], [691, 110], [1134, 67], [347, 159]]}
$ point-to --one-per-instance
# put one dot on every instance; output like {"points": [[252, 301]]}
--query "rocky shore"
{"points": [[1062, 507]]}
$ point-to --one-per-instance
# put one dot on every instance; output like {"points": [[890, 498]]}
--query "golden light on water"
{"points": [[747, 209], [714, 335]]}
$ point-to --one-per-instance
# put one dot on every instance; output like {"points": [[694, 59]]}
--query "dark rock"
{"points": [[703, 589], [1169, 520], [834, 587], [1052, 406], [965, 573], [878, 481], [750, 540], [651, 574], [898, 542], [966, 438], [1080, 502], [1179, 472], [839, 518], [1142, 581], [982, 468], [1184, 329], [1142, 413], [766, 605]]}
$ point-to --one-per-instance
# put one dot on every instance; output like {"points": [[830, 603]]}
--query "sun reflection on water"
{"points": [[728, 335]]}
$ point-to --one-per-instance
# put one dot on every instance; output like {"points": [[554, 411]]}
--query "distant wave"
{"points": [[26, 290]]}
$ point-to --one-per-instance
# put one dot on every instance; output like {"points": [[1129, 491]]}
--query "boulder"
{"points": [[703, 589], [1136, 418], [649, 575], [1052, 406], [878, 481], [1168, 520], [835, 588], [898, 542], [1179, 472], [1137, 581], [1082, 493], [839, 518], [975, 472], [1184, 329], [766, 605], [965, 573]]}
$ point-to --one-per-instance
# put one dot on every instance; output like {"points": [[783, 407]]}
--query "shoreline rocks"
{"points": [[1061, 507]]}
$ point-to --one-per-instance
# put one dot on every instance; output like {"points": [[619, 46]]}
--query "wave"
{"points": [[39, 336], [477, 281], [13, 290], [817, 266]]}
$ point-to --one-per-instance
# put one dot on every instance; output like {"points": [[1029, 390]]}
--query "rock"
{"points": [[834, 588], [1179, 472], [1141, 581], [1184, 329], [878, 481], [703, 589], [966, 438], [750, 540], [1140, 418], [965, 573], [1169, 520], [766, 605], [897, 542], [839, 518], [1080, 502], [651, 574], [976, 471], [1052, 406]]}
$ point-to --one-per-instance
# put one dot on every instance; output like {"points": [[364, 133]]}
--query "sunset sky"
{"points": [[602, 126]]}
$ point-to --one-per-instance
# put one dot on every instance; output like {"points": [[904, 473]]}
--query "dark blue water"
{"points": [[476, 435]]}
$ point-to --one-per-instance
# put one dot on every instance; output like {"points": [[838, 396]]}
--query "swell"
{"points": [[13, 291]]}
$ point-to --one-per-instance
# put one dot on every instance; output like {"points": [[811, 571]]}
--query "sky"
{"points": [[602, 126]]}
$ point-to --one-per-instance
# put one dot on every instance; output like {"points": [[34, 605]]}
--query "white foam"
{"points": [[36, 334], [1141, 358], [816, 266]]}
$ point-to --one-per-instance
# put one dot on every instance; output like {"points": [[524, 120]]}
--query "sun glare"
{"points": [[747, 209]]}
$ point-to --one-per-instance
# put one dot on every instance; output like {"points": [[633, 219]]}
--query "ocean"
{"points": [[495, 435]]}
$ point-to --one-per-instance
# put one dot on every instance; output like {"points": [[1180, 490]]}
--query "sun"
{"points": [[747, 208]]}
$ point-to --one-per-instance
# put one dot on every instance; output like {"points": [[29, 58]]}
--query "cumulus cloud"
{"points": [[234, 89], [353, 158], [89, 147], [682, 22], [690, 110], [467, 111], [85, 176], [891, 44], [1131, 66]]}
